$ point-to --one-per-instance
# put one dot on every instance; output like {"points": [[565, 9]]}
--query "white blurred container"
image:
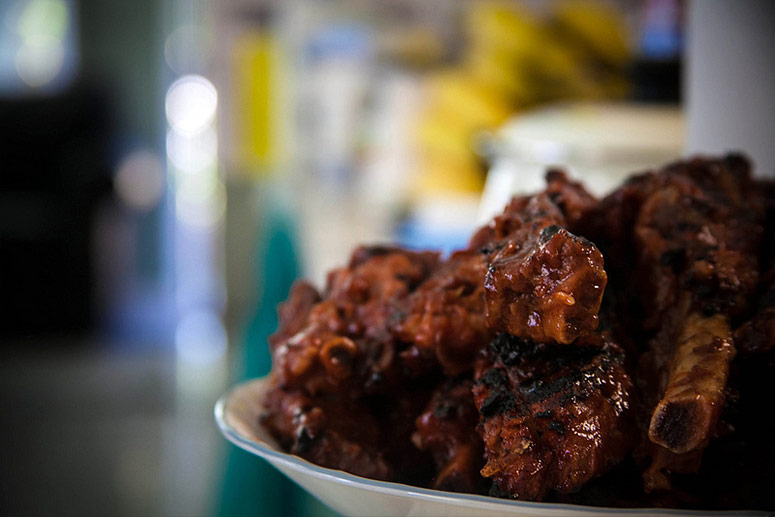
{"points": [[599, 144]]}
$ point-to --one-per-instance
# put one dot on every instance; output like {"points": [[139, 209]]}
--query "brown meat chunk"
{"points": [[692, 231], [330, 430], [552, 417], [447, 428], [573, 200], [293, 314], [524, 215], [346, 343], [546, 286], [443, 320]]}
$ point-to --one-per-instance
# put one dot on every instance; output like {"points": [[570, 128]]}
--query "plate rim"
{"points": [[302, 466]]}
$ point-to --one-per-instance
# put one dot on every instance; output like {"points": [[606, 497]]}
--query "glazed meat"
{"points": [[545, 285], [447, 428], [330, 430], [528, 365], [573, 200], [543, 282], [695, 235], [443, 321], [292, 315], [552, 417], [344, 342]]}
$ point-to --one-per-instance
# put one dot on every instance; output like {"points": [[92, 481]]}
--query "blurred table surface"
{"points": [[92, 428]]}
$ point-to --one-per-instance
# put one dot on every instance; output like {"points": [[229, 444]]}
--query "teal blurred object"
{"points": [[251, 487]]}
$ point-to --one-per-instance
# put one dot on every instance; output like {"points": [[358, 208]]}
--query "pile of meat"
{"points": [[613, 352]]}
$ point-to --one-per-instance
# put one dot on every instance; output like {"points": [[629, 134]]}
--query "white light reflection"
{"points": [[39, 60], [185, 50], [192, 154], [200, 204], [200, 201], [191, 104], [200, 337]]}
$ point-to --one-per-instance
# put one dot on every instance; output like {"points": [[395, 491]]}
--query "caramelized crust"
{"points": [[443, 320], [547, 286], [345, 342], [330, 430], [552, 417], [373, 375], [447, 428]]}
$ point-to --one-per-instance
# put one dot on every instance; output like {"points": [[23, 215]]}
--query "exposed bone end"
{"points": [[682, 425], [684, 420]]}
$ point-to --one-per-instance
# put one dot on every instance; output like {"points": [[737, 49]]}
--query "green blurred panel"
{"points": [[251, 487]]}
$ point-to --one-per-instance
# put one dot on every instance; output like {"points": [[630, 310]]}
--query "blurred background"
{"points": [[169, 167]]}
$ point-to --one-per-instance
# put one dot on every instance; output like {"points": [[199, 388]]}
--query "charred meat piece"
{"points": [[345, 343], [698, 241], [545, 285], [564, 202], [756, 337], [524, 215], [293, 314], [552, 417], [573, 200], [447, 428], [443, 321], [693, 232], [330, 430], [543, 282]]}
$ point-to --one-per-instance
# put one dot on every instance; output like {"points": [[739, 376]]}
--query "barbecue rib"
{"points": [[343, 342], [447, 428], [545, 286], [552, 417], [510, 364], [685, 417], [330, 430], [693, 229], [443, 320]]}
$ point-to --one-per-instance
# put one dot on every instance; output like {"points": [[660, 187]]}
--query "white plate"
{"points": [[237, 414]]}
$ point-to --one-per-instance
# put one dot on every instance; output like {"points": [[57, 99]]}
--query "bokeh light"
{"points": [[139, 180], [200, 337], [191, 103], [192, 154]]}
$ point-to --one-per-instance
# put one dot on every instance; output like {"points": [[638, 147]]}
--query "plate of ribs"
{"points": [[579, 356]]}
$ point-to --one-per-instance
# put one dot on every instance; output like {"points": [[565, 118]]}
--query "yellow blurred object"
{"points": [[515, 61], [470, 103], [598, 28], [441, 174], [502, 27], [255, 62], [558, 73], [500, 72], [438, 135]]}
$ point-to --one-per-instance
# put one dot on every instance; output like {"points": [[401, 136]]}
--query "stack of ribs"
{"points": [[573, 337]]}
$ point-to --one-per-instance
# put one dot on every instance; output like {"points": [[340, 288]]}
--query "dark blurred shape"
{"points": [[657, 80], [54, 171], [656, 73]]}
